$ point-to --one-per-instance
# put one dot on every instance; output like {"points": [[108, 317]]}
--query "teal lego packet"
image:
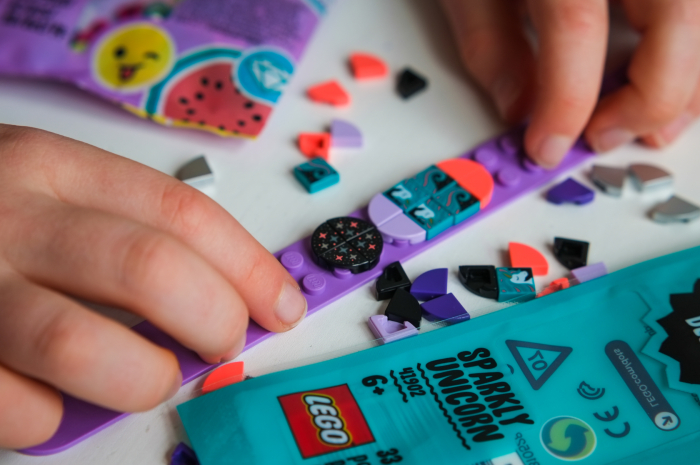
{"points": [[604, 372]]}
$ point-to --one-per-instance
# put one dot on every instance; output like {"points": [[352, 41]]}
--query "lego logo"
{"points": [[327, 419]]}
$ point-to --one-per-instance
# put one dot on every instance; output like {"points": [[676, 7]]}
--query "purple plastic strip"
{"points": [[81, 420]]}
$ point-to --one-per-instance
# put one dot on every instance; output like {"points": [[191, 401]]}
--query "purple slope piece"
{"points": [[570, 191], [345, 135], [445, 307], [183, 455], [82, 420], [586, 273], [430, 284], [388, 331]]}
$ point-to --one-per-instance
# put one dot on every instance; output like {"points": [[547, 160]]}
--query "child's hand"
{"points": [[559, 87], [78, 221]]}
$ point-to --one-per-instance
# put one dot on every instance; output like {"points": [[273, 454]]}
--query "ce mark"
{"points": [[612, 416]]}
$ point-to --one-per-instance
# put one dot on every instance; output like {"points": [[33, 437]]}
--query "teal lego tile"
{"points": [[515, 284], [432, 217], [316, 175]]}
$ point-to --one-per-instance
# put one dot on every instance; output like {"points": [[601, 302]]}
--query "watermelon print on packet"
{"points": [[200, 93]]}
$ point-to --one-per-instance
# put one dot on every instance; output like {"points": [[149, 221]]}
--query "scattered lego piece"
{"points": [[365, 66], [393, 278], [430, 284], [381, 209], [388, 331], [183, 455], [196, 173], [330, 92], [586, 273], [571, 253], [347, 243], [345, 135], [524, 256], [480, 280], [223, 376], [402, 229], [472, 176], [555, 286], [570, 191], [445, 307], [515, 284], [404, 307], [410, 83], [316, 175], [609, 180], [646, 177], [315, 145], [674, 210]]}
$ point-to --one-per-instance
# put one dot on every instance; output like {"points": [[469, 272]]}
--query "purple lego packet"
{"points": [[214, 65]]}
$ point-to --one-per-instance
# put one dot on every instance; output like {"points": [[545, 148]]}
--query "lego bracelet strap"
{"points": [[514, 175]]}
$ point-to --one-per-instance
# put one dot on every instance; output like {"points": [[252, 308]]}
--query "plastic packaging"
{"points": [[603, 372], [215, 65]]}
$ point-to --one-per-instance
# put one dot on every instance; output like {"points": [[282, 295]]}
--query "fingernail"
{"points": [[175, 387], [674, 129], [552, 150], [291, 306], [611, 138], [506, 91]]}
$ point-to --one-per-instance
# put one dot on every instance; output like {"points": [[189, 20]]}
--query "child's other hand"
{"points": [[559, 87], [78, 221]]}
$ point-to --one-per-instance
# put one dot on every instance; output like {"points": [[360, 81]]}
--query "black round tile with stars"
{"points": [[347, 243]]}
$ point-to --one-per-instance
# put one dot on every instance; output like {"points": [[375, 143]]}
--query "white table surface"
{"points": [[255, 184]]}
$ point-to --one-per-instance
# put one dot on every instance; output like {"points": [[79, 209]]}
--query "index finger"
{"points": [[572, 38], [86, 176]]}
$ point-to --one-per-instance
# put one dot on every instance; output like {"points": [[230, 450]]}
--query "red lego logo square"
{"points": [[325, 420]]}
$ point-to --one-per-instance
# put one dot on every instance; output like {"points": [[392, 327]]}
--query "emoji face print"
{"points": [[133, 57]]}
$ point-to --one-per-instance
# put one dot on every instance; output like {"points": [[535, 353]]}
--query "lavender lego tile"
{"points": [[589, 272], [402, 228], [345, 135], [388, 331], [381, 209]]}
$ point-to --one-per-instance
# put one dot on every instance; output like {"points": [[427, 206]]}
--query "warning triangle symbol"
{"points": [[538, 361]]}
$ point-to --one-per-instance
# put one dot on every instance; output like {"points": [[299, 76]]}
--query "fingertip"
{"points": [[609, 139], [291, 306], [552, 148]]}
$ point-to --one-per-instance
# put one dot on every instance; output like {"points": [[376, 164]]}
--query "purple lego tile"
{"points": [[381, 209], [345, 135], [82, 420], [570, 191], [430, 284], [388, 331], [586, 273], [445, 307], [402, 228]]}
